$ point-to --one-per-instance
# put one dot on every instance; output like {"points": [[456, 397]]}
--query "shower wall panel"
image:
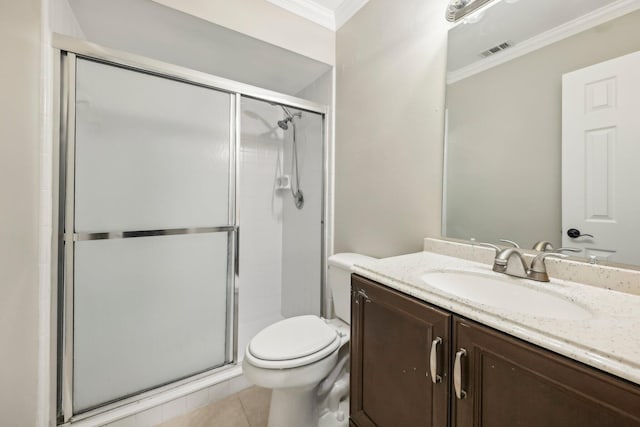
{"points": [[260, 220], [302, 228]]}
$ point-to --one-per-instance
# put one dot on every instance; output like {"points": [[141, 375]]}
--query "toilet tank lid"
{"points": [[347, 260]]}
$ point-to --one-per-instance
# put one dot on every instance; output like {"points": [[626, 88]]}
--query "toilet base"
{"points": [[339, 418], [293, 407]]}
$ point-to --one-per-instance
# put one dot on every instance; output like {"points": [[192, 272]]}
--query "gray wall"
{"points": [[19, 195], [504, 138], [390, 60]]}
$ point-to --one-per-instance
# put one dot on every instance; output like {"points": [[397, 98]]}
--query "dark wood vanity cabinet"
{"points": [[391, 339], [504, 381], [509, 382]]}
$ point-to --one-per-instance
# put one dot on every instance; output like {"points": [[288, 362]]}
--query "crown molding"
{"points": [[309, 10], [346, 10], [321, 15], [590, 20]]}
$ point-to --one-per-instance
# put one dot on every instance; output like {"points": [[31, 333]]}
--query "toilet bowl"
{"points": [[304, 359]]}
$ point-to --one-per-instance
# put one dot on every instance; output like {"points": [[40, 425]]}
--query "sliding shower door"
{"points": [[149, 232]]}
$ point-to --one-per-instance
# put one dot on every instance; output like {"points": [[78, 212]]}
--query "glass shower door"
{"points": [[151, 166]]}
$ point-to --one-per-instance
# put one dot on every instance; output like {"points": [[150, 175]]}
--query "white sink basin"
{"points": [[504, 293]]}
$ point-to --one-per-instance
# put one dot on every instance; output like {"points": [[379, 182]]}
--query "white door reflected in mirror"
{"points": [[600, 152]]}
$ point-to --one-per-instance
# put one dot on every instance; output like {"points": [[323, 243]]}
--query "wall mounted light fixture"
{"points": [[458, 9]]}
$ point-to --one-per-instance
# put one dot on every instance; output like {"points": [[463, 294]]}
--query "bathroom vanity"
{"points": [[420, 357]]}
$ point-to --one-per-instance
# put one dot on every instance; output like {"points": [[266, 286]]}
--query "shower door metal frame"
{"points": [[69, 237], [66, 52]]}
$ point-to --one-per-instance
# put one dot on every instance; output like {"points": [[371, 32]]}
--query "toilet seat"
{"points": [[293, 342]]}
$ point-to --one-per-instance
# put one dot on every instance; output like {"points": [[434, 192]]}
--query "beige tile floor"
{"points": [[248, 408]]}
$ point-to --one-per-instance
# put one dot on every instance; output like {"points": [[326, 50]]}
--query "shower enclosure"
{"points": [[159, 274]]}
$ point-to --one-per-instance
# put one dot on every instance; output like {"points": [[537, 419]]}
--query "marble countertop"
{"points": [[610, 340]]}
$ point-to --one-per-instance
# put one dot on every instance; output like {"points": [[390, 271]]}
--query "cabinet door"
{"points": [[512, 383], [391, 342]]}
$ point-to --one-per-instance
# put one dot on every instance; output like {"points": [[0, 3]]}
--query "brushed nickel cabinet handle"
{"points": [[433, 361], [457, 374]]}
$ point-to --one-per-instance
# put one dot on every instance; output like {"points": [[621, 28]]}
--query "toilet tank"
{"points": [[339, 280]]}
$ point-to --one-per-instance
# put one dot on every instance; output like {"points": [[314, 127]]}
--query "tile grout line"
{"points": [[244, 409]]}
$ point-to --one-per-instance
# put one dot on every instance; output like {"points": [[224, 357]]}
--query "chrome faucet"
{"points": [[537, 271], [501, 260]]}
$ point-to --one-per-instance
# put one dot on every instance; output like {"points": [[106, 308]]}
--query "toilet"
{"points": [[305, 359]]}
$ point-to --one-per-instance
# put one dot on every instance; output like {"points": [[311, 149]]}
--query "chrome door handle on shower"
{"points": [[433, 361], [237, 252], [457, 374]]}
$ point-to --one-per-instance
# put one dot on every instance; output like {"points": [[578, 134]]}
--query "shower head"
{"points": [[284, 124]]}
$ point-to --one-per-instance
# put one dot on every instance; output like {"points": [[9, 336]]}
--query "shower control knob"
{"points": [[574, 233]]}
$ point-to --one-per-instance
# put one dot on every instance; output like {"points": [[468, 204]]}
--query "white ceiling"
{"points": [[329, 4], [331, 14]]}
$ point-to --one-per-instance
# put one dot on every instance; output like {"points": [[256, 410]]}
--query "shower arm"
{"points": [[289, 114]]}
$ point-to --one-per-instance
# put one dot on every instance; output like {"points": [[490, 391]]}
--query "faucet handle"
{"points": [[538, 270], [538, 262], [488, 245], [576, 250], [511, 242], [543, 246]]}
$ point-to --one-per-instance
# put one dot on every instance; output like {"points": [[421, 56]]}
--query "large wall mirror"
{"points": [[543, 126]]}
